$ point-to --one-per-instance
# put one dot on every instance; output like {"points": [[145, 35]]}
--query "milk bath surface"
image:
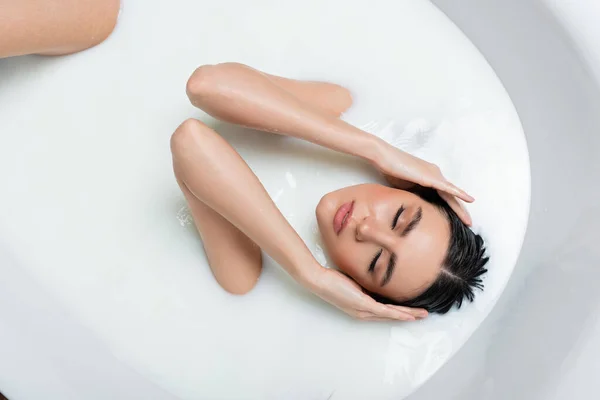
{"points": [[95, 215]]}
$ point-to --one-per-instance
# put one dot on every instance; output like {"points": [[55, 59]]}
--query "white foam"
{"points": [[94, 212]]}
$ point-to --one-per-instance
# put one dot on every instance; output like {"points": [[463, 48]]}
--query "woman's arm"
{"points": [[215, 174], [234, 259], [241, 95]]}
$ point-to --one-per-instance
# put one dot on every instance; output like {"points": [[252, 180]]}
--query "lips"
{"points": [[342, 216]]}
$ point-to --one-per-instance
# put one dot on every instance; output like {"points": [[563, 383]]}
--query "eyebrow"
{"points": [[416, 219]]}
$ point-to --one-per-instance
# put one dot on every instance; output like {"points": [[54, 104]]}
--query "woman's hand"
{"points": [[403, 170], [342, 292]]}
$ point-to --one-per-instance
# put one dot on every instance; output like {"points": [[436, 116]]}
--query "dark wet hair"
{"points": [[462, 268]]}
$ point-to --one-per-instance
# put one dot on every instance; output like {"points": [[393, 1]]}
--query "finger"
{"points": [[418, 313], [378, 319], [391, 313], [450, 188], [458, 192], [458, 208], [415, 312]]}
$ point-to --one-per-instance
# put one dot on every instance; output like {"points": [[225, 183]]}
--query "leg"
{"points": [[54, 27], [234, 259]]}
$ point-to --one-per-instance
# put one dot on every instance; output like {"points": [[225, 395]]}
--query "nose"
{"points": [[369, 230]]}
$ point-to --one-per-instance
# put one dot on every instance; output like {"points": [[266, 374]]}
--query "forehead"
{"points": [[420, 254]]}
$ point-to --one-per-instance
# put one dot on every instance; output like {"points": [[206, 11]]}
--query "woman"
{"points": [[408, 249]]}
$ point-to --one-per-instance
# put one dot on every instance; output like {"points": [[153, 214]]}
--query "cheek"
{"points": [[352, 258], [346, 257]]}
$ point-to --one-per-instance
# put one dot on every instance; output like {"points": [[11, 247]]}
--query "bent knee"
{"points": [[109, 13]]}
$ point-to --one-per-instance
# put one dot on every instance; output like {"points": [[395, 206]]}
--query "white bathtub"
{"points": [[540, 341]]}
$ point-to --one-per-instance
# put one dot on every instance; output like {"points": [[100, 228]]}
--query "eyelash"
{"points": [[397, 216], [375, 259], [389, 271], [413, 223], [394, 223]]}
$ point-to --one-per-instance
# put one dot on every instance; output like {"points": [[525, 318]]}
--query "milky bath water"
{"points": [[94, 213]]}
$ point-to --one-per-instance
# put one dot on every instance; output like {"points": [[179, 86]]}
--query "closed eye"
{"points": [[390, 270], [413, 224], [374, 261], [397, 217]]}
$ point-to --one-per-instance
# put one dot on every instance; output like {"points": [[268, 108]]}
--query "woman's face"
{"points": [[390, 241]]}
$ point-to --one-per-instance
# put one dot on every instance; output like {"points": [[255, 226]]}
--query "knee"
{"points": [[83, 24], [110, 14], [90, 23]]}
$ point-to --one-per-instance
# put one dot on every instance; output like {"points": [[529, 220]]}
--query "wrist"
{"points": [[310, 275]]}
